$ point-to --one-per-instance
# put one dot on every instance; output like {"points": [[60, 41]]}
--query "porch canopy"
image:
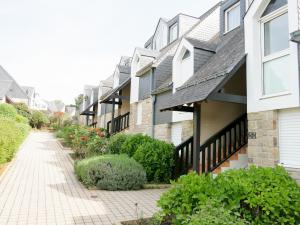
{"points": [[110, 96], [211, 77], [207, 82], [87, 111]]}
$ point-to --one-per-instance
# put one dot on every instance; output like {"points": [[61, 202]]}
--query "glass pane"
{"points": [[173, 32], [276, 34], [233, 18], [276, 75]]}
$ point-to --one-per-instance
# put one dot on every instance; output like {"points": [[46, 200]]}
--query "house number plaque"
{"points": [[251, 135]]}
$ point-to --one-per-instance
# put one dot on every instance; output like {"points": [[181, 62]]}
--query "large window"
{"points": [[173, 32], [232, 17], [275, 55]]}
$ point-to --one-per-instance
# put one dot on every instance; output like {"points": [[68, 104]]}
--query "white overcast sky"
{"points": [[58, 46]]}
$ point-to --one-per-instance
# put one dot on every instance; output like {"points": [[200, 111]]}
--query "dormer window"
{"points": [[232, 17], [173, 33], [186, 54], [275, 52]]}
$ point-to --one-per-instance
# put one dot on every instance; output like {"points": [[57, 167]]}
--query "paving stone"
{"points": [[40, 188]]}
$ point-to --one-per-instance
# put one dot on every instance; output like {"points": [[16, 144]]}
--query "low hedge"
{"points": [[111, 172], [13, 130], [258, 195]]}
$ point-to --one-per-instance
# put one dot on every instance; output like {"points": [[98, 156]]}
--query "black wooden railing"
{"points": [[215, 151], [183, 158], [120, 123]]}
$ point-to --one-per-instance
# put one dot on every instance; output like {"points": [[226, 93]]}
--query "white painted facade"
{"points": [[185, 23], [257, 101], [139, 60]]}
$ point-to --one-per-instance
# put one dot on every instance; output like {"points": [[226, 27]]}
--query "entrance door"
{"points": [[289, 137]]}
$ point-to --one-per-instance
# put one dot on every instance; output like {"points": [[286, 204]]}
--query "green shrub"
{"points": [[212, 214], [23, 110], [38, 119], [111, 172], [186, 195], [132, 143], [156, 157], [12, 135], [258, 195], [261, 195], [8, 111], [96, 146], [115, 143]]}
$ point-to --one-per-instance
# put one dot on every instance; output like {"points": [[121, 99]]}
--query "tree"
{"points": [[39, 119], [78, 101]]}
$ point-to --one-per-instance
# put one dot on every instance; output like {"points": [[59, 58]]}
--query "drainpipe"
{"points": [[153, 102]]}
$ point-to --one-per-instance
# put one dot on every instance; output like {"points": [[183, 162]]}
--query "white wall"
{"points": [[182, 69], [186, 23], [136, 65], [256, 102], [161, 35], [207, 28]]}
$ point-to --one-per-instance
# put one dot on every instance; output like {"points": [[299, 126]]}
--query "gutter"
{"points": [[153, 102]]}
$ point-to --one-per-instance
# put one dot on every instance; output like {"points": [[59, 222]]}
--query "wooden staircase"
{"points": [[218, 152], [237, 161]]}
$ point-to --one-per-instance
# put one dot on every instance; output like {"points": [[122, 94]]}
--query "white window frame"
{"points": [[226, 17], [171, 29], [264, 59]]}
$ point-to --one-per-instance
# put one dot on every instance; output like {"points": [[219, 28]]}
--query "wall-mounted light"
{"points": [[295, 36]]}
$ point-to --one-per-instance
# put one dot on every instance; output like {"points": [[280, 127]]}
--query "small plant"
{"points": [[111, 172], [133, 142]]}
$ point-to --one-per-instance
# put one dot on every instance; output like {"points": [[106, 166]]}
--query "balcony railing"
{"points": [[120, 123], [215, 151]]}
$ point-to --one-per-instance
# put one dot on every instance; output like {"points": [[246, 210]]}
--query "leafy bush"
{"points": [[156, 157], [258, 195], [12, 135], [96, 146], [186, 195], [8, 111], [261, 195], [38, 119], [216, 215], [132, 143], [115, 143], [111, 172], [23, 110]]}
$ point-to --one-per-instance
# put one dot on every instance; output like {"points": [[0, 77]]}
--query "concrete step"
{"points": [[294, 173], [237, 161]]}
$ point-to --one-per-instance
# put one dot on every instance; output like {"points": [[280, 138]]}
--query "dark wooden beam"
{"points": [[112, 102], [197, 133], [223, 97], [113, 117], [180, 109]]}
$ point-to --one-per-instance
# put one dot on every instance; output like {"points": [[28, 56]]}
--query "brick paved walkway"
{"points": [[40, 188]]}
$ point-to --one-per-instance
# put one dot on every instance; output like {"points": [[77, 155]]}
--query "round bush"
{"points": [[132, 143], [157, 159], [115, 143], [111, 172]]}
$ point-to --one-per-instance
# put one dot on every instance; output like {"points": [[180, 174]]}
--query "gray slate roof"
{"points": [[205, 45], [28, 90], [230, 54], [9, 87], [124, 69], [106, 97]]}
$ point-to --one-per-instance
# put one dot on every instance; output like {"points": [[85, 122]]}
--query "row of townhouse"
{"points": [[223, 87]]}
